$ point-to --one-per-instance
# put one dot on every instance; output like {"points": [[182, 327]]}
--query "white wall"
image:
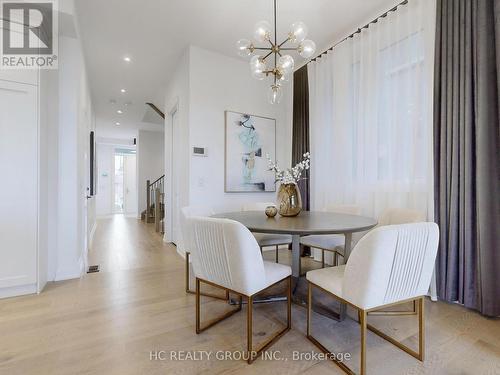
{"points": [[177, 99], [150, 162], [75, 122], [204, 86], [219, 83], [49, 112]]}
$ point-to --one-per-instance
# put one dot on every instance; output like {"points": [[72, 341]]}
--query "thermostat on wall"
{"points": [[200, 151]]}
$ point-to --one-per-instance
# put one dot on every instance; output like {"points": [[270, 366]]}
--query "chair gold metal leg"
{"points": [[277, 254], [289, 303], [225, 297], [418, 355], [226, 315], [249, 329], [252, 353], [399, 312], [197, 305], [309, 307], [362, 324], [320, 346], [421, 329], [187, 271]]}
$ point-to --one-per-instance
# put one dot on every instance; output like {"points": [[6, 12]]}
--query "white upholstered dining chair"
{"points": [[330, 242], [187, 240], [389, 266], [265, 239], [227, 256], [394, 216]]}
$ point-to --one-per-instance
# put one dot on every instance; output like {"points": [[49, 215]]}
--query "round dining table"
{"points": [[306, 223]]}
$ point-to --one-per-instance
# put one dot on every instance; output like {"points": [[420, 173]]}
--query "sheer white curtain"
{"points": [[370, 103]]}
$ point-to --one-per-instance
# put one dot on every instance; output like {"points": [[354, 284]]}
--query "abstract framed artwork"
{"points": [[249, 139]]}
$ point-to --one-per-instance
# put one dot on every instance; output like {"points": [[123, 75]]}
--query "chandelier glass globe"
{"points": [[286, 64], [307, 48], [262, 31], [275, 94], [298, 32], [244, 47], [258, 67]]}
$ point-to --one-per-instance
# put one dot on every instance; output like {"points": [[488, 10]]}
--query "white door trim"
{"points": [[169, 173]]}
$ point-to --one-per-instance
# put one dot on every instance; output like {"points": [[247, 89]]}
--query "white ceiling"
{"points": [[155, 34]]}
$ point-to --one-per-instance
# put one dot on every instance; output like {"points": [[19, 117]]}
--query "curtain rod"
{"points": [[358, 31]]}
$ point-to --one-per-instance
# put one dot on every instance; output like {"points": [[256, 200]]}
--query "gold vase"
{"points": [[289, 200]]}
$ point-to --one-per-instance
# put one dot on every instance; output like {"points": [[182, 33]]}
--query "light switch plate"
{"points": [[200, 151]]}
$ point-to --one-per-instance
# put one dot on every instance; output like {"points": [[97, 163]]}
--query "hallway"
{"points": [[122, 243]]}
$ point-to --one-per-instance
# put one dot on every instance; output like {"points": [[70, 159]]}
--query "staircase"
{"points": [[155, 193], [155, 204]]}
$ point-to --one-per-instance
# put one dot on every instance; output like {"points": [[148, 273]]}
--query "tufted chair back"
{"points": [[390, 264], [227, 254]]}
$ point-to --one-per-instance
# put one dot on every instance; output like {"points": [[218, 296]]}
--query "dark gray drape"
{"points": [[300, 132], [466, 152]]}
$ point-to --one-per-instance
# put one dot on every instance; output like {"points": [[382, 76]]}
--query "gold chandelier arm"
{"points": [[283, 42], [269, 54]]}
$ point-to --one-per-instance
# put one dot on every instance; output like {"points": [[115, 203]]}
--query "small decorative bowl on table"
{"points": [[271, 211]]}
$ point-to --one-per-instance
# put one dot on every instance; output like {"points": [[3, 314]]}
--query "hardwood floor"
{"points": [[111, 321]]}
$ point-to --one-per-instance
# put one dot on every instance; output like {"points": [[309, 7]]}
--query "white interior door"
{"points": [[130, 182], [19, 187], [175, 181]]}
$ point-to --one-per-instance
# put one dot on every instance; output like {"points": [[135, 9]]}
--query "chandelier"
{"points": [[262, 65]]}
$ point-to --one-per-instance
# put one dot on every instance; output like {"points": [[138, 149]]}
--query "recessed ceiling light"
{"points": [[126, 59], [117, 123], [123, 91], [119, 111]]}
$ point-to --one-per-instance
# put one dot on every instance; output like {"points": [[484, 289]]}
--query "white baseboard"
{"points": [[76, 273], [67, 276], [15, 291], [82, 262]]}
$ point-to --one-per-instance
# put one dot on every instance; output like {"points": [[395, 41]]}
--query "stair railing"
{"points": [[155, 193]]}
